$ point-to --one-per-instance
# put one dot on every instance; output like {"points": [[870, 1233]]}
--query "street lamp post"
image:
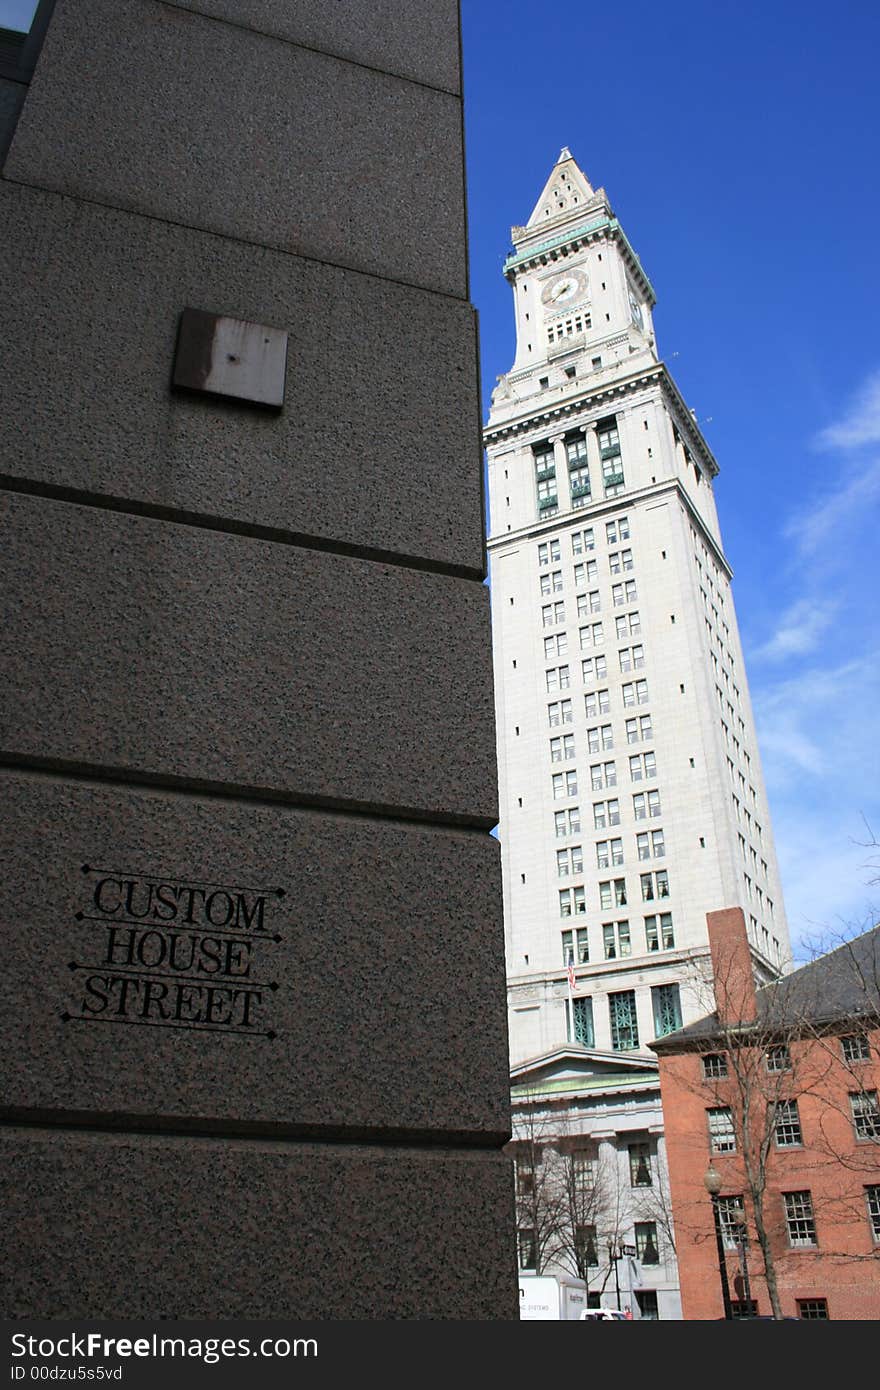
{"points": [[742, 1243], [712, 1181], [614, 1257]]}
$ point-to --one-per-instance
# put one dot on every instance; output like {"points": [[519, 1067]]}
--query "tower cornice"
{"points": [[606, 228], [605, 398], [671, 487]]}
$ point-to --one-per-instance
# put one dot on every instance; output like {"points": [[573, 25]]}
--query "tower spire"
{"points": [[566, 190]]}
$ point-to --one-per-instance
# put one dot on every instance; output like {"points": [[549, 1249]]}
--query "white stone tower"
{"points": [[632, 801]]}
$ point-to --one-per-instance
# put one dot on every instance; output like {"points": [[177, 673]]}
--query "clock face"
{"points": [[565, 289]]}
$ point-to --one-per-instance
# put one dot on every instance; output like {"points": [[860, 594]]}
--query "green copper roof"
{"points": [[610, 1081]]}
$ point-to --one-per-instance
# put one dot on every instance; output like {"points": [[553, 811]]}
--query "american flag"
{"points": [[571, 980]]}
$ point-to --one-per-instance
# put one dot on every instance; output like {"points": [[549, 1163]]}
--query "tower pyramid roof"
{"points": [[566, 189]]}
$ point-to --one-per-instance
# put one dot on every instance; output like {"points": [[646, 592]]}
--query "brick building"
{"points": [[772, 1101]]}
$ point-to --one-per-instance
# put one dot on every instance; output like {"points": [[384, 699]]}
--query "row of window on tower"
{"points": [[616, 532], [623, 1018], [547, 483], [617, 940]]}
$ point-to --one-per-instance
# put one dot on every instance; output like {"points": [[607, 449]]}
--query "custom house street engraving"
{"points": [[176, 953]]}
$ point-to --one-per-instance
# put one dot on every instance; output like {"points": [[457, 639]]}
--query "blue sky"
{"points": [[738, 144]]}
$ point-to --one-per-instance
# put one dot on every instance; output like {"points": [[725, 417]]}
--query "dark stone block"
{"points": [[379, 968], [150, 1227], [413, 40], [215, 126], [171, 652], [378, 443]]}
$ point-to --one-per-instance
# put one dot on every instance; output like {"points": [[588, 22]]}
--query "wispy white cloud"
{"points": [[860, 424], [815, 683], [825, 519], [798, 630]]}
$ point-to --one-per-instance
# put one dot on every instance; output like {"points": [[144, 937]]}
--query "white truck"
{"points": [[551, 1297]]}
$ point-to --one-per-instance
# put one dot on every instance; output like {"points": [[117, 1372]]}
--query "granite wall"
{"points": [[254, 1056]]}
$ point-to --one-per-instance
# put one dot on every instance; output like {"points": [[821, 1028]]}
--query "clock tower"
{"points": [[632, 801]]}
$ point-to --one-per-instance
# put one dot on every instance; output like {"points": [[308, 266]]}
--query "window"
{"points": [[646, 804], [624, 1026], [639, 1162], [591, 636], [608, 852], [812, 1308], [646, 1242], [647, 1303], [650, 844], [658, 932], [639, 730], [872, 1196], [714, 1066], [600, 738], [731, 1212], [555, 646], [654, 885], [866, 1114], [559, 712], [787, 1125], [589, 603], [722, 1136], [582, 541], [603, 775], [586, 1250], [586, 572], [634, 692], [616, 940], [582, 1012], [594, 666], [548, 551], [620, 560], [799, 1218], [612, 893], [564, 784], [553, 613], [666, 1004], [572, 901], [569, 861], [617, 530], [557, 678], [583, 1167], [525, 1178], [630, 658], [605, 813], [575, 947], [777, 1058], [642, 766], [527, 1248], [597, 702], [567, 822], [855, 1047]]}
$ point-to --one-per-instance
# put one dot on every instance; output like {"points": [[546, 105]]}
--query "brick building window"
{"points": [[799, 1218], [855, 1047], [722, 1135], [872, 1196], [714, 1066], [778, 1059], [730, 1213], [866, 1114], [812, 1307], [787, 1128]]}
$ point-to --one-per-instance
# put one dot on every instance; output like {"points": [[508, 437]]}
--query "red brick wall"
{"points": [[832, 1165]]}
